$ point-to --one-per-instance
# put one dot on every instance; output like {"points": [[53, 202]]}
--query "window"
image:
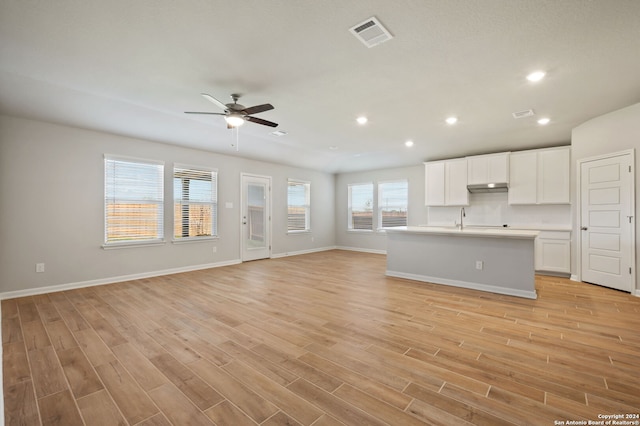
{"points": [[361, 207], [299, 206], [133, 200], [392, 204], [195, 202]]}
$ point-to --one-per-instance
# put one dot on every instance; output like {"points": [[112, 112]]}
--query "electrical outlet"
{"points": [[312, 239], [39, 267], [479, 264], [215, 249]]}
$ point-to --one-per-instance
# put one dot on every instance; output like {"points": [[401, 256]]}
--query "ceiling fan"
{"points": [[235, 114]]}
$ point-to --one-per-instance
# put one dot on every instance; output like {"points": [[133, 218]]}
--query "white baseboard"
{"points": [[363, 250], [465, 284], [574, 277], [111, 280], [296, 253]]}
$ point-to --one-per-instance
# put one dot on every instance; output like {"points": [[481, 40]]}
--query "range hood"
{"points": [[488, 187]]}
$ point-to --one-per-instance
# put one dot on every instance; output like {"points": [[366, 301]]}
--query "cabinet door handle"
{"points": [[584, 228]]}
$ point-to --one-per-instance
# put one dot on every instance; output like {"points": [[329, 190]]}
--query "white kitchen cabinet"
{"points": [[540, 176], [446, 183], [434, 183], [455, 183], [553, 176], [553, 252], [490, 168], [523, 177]]}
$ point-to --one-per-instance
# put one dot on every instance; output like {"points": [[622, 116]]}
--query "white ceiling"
{"points": [[133, 68]]}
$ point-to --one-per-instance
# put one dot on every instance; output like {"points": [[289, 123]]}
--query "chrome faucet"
{"points": [[463, 214]]}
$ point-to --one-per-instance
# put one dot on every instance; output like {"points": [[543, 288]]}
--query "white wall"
{"points": [[613, 132], [52, 198]]}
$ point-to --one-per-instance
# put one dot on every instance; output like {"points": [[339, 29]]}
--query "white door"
{"points": [[256, 217], [606, 222]]}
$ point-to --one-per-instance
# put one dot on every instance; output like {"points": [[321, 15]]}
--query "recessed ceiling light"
{"points": [[452, 120], [362, 119], [409, 143], [536, 76], [278, 133], [544, 121], [333, 147]]}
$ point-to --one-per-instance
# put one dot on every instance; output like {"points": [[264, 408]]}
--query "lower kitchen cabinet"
{"points": [[553, 252]]}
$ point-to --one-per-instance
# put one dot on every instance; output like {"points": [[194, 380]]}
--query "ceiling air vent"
{"points": [[371, 32], [523, 114]]}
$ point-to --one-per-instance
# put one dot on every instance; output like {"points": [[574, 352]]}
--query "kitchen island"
{"points": [[497, 260]]}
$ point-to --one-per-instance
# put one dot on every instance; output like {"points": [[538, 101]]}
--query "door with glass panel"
{"points": [[255, 221]]}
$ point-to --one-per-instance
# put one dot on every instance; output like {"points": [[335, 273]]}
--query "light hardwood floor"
{"points": [[318, 339]]}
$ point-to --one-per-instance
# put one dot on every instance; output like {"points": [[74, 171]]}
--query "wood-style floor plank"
{"points": [[59, 409], [15, 366], [323, 339], [134, 403], [237, 393], [99, 409], [177, 407], [20, 407], [296, 406], [81, 376], [225, 413], [46, 371], [200, 393]]}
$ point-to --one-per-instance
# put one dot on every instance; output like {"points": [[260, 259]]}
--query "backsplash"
{"points": [[493, 209]]}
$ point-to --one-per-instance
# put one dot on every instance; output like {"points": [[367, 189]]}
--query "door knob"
{"points": [[584, 228]]}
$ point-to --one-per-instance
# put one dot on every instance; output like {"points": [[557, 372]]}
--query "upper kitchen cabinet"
{"points": [[540, 176], [490, 168], [523, 177], [446, 183]]}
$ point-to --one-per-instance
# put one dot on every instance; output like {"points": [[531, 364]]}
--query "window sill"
{"points": [[189, 240], [361, 231], [307, 231], [133, 244]]}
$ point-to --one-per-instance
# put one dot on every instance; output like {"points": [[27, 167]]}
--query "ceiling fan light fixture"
{"points": [[234, 120]]}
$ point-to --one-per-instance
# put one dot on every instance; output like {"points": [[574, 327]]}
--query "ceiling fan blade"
{"points": [[215, 101], [208, 113], [261, 121], [258, 108]]}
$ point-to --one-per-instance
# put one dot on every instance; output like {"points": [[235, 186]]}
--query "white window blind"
{"points": [[134, 200], [195, 208], [299, 206], [392, 203], [360, 206]]}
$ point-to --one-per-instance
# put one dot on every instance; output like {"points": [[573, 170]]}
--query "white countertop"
{"points": [[467, 232], [537, 227]]}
